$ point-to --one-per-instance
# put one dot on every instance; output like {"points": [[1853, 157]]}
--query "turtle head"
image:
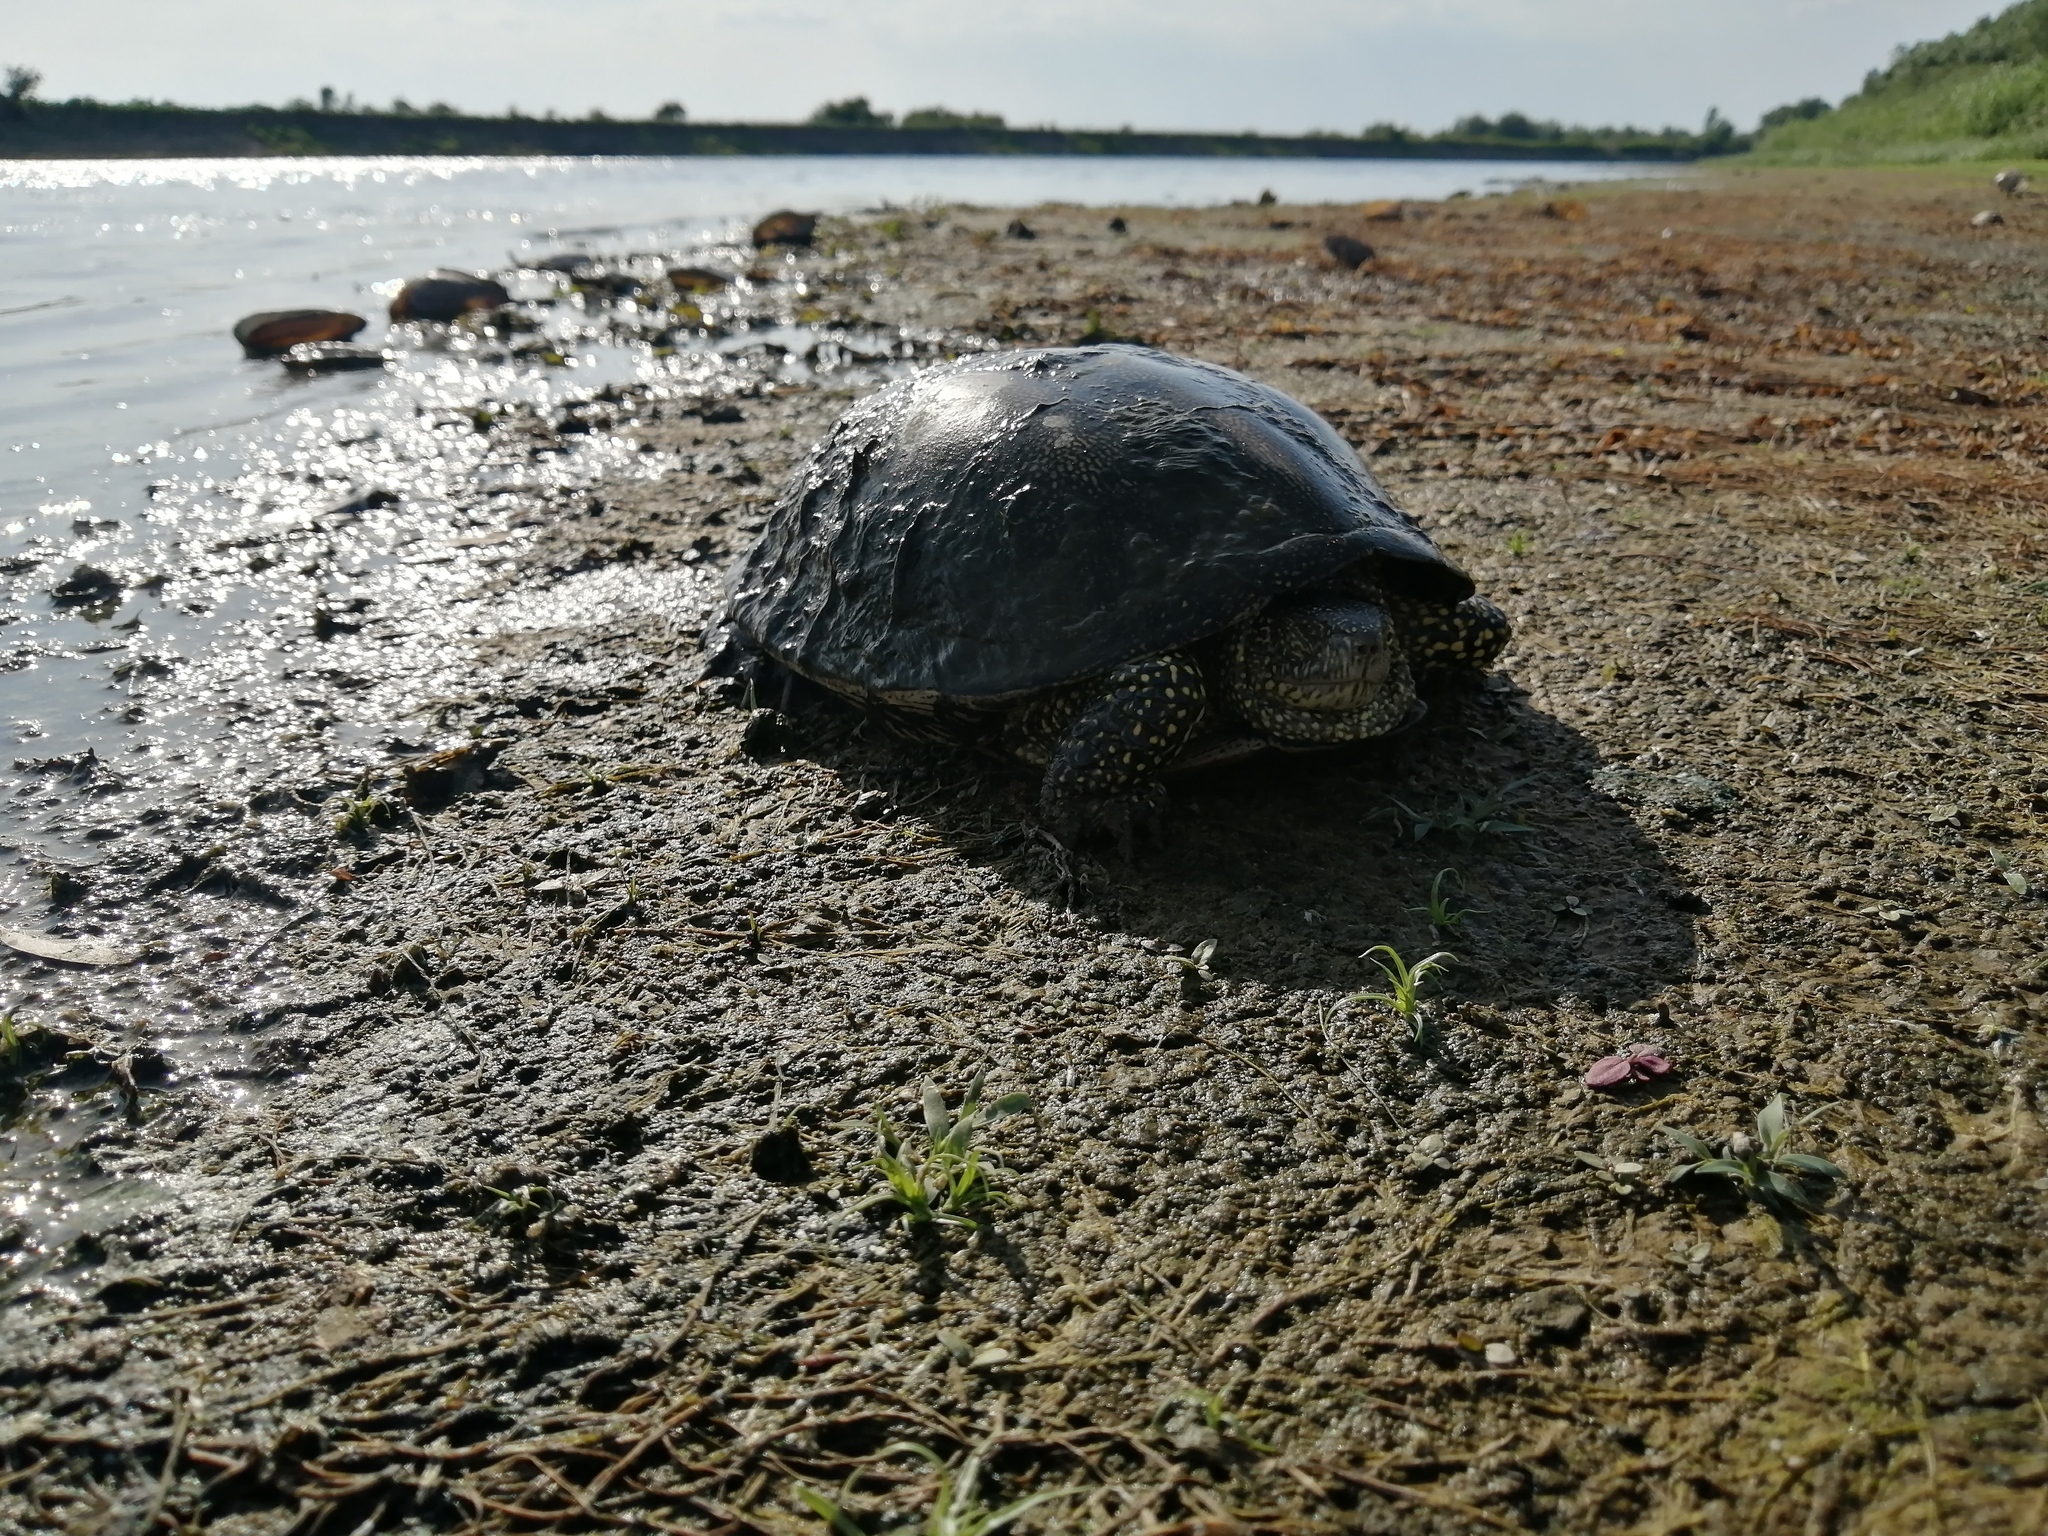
{"points": [[1317, 669]]}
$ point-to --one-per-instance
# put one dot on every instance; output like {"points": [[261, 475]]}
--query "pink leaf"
{"points": [[1608, 1071], [1645, 1064]]}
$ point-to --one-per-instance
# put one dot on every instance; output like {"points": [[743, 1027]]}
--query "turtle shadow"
{"points": [[1297, 865]]}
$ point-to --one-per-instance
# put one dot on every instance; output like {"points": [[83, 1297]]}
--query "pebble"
{"points": [[1347, 251]]}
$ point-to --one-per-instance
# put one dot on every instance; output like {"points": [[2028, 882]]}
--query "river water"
{"points": [[225, 499]]}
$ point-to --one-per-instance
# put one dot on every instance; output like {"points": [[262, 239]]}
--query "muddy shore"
{"points": [[544, 1220]]}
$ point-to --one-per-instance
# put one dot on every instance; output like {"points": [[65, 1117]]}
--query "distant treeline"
{"points": [[33, 128]]}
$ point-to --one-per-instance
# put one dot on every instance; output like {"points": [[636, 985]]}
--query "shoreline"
{"points": [[548, 1206], [58, 130]]}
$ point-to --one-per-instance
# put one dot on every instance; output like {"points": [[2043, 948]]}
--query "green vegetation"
{"points": [[950, 1182], [1444, 917], [1763, 1166], [1404, 985], [956, 1509], [1980, 94]]}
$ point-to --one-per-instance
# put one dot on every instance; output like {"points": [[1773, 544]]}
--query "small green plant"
{"points": [[1761, 1166], [1469, 816], [1404, 984], [956, 1509], [2014, 880], [950, 1182], [1195, 975], [1217, 1419], [1518, 543], [364, 812], [1444, 917]]}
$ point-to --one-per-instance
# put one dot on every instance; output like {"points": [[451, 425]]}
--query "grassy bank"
{"points": [[1981, 94]]}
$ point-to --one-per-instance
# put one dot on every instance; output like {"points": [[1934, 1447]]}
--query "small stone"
{"points": [[1944, 1386], [698, 279], [1986, 219], [1500, 1355], [786, 227], [445, 295], [273, 331], [86, 586], [1017, 229], [1347, 251], [1555, 1311], [779, 1157], [1999, 1381]]}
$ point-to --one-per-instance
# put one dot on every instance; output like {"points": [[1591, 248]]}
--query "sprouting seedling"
{"points": [[1518, 543], [2003, 859], [956, 1509], [1761, 1166], [1404, 984], [362, 813], [1470, 816], [1194, 971], [1219, 1421], [950, 1182], [1444, 917]]}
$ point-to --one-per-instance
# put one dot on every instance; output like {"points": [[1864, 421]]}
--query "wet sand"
{"points": [[545, 1219]]}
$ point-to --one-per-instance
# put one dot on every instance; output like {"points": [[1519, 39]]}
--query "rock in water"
{"points": [[269, 333], [1347, 252], [698, 279], [786, 228], [87, 586], [447, 296], [333, 357]]}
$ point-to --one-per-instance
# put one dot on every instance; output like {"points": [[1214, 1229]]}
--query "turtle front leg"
{"points": [[1103, 772], [1470, 636]]}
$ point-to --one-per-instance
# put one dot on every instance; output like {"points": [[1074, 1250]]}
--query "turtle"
{"points": [[1106, 563]]}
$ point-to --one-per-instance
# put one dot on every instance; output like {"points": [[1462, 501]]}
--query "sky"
{"points": [[1281, 66]]}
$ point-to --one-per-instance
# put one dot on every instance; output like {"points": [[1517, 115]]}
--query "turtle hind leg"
{"points": [[1469, 637], [1103, 775]]}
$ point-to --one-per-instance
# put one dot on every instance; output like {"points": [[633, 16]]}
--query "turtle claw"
{"points": [[1124, 820]]}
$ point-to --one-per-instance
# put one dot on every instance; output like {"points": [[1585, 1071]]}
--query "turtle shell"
{"points": [[1014, 521]]}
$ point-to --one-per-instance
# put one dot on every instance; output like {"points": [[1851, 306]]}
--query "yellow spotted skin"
{"points": [[1104, 744], [1468, 637], [1104, 750]]}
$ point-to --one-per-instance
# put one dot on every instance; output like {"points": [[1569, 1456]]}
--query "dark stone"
{"points": [[1348, 252], [275, 331], [768, 737], [1555, 1312], [86, 586], [1017, 229], [785, 227], [698, 279], [447, 296], [333, 357], [1117, 226], [779, 1157], [723, 414]]}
